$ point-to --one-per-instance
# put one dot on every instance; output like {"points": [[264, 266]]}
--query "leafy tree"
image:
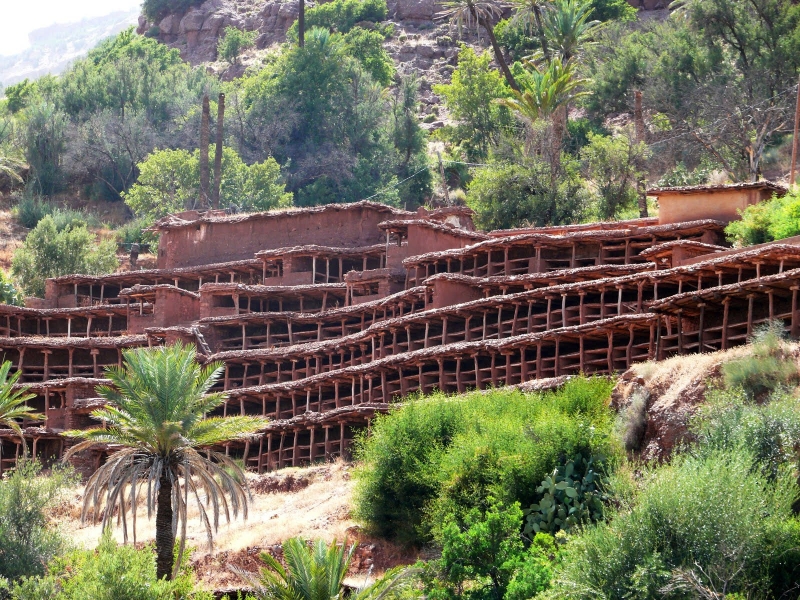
{"points": [[43, 130], [157, 416], [158, 9], [613, 165], [48, 252], [479, 14], [169, 181], [515, 195], [27, 543], [317, 573], [774, 219], [13, 403], [342, 15], [8, 292], [233, 42], [470, 98], [366, 46]]}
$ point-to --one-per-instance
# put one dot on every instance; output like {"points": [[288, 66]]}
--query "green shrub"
{"points": [[767, 221], [713, 521], [233, 42], [155, 10], [342, 15], [766, 368], [467, 449], [8, 291], [632, 421], [26, 541], [48, 252], [485, 558], [32, 209], [111, 572]]}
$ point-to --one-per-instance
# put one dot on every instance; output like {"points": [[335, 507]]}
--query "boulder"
{"points": [[192, 21]]}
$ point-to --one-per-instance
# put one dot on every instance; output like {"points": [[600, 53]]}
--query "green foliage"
{"points": [[8, 291], [18, 95], [169, 181], [570, 496], [680, 175], [612, 10], [469, 449], [342, 15], [767, 367], [366, 46], [712, 521], [233, 42], [111, 572], [632, 421], [31, 209], [26, 541], [155, 10], [512, 195], [614, 167], [316, 571], [515, 36], [48, 252], [485, 558], [774, 219], [470, 97]]}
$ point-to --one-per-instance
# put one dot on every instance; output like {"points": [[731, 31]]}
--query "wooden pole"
{"points": [[794, 137], [204, 141]]}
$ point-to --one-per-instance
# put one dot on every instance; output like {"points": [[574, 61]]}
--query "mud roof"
{"points": [[710, 189], [177, 222]]}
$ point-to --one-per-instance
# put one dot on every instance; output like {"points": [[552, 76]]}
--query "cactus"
{"points": [[570, 495]]}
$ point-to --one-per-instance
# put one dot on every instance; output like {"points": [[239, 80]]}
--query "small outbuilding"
{"points": [[720, 202]]}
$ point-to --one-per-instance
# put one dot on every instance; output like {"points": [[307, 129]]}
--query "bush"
{"points": [[342, 15], [632, 422], [155, 10], [111, 572], [701, 524], [32, 209], [233, 42], [8, 291], [767, 366], [774, 219], [510, 195], [48, 252], [26, 541], [468, 449]]}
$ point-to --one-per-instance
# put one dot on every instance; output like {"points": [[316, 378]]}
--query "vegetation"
{"points": [[13, 403], [317, 572], [472, 451], [342, 15], [157, 415], [233, 42], [27, 541], [51, 252], [767, 221]]}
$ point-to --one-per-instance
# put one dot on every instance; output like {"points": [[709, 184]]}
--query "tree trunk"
{"points": [[537, 15], [165, 538], [204, 141], [218, 152], [301, 24], [498, 54]]}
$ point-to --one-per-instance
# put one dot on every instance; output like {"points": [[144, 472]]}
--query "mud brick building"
{"points": [[324, 317]]}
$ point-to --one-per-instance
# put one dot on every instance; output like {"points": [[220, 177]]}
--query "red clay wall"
{"points": [[221, 241], [677, 207]]}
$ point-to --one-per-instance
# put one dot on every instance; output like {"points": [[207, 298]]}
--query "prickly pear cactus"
{"points": [[570, 495]]}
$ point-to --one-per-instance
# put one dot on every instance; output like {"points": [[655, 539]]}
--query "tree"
{"points": [[13, 403], [49, 252], [544, 91], [317, 573], [568, 27], [529, 13], [613, 165], [169, 181], [233, 42], [470, 97], [156, 414], [479, 14]]}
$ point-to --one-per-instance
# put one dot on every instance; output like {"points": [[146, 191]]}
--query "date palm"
{"points": [[156, 415], [568, 27], [476, 14], [13, 405], [317, 572], [530, 14]]}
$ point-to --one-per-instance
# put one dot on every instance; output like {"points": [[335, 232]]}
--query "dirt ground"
{"points": [[312, 503]]}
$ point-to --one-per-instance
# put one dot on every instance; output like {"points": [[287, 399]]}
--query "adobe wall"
{"points": [[723, 205], [209, 242], [447, 292], [422, 240]]}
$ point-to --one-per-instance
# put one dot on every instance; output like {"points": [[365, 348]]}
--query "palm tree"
{"points": [[530, 13], [317, 573], [13, 404], [475, 14], [157, 416], [568, 27], [545, 92]]}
